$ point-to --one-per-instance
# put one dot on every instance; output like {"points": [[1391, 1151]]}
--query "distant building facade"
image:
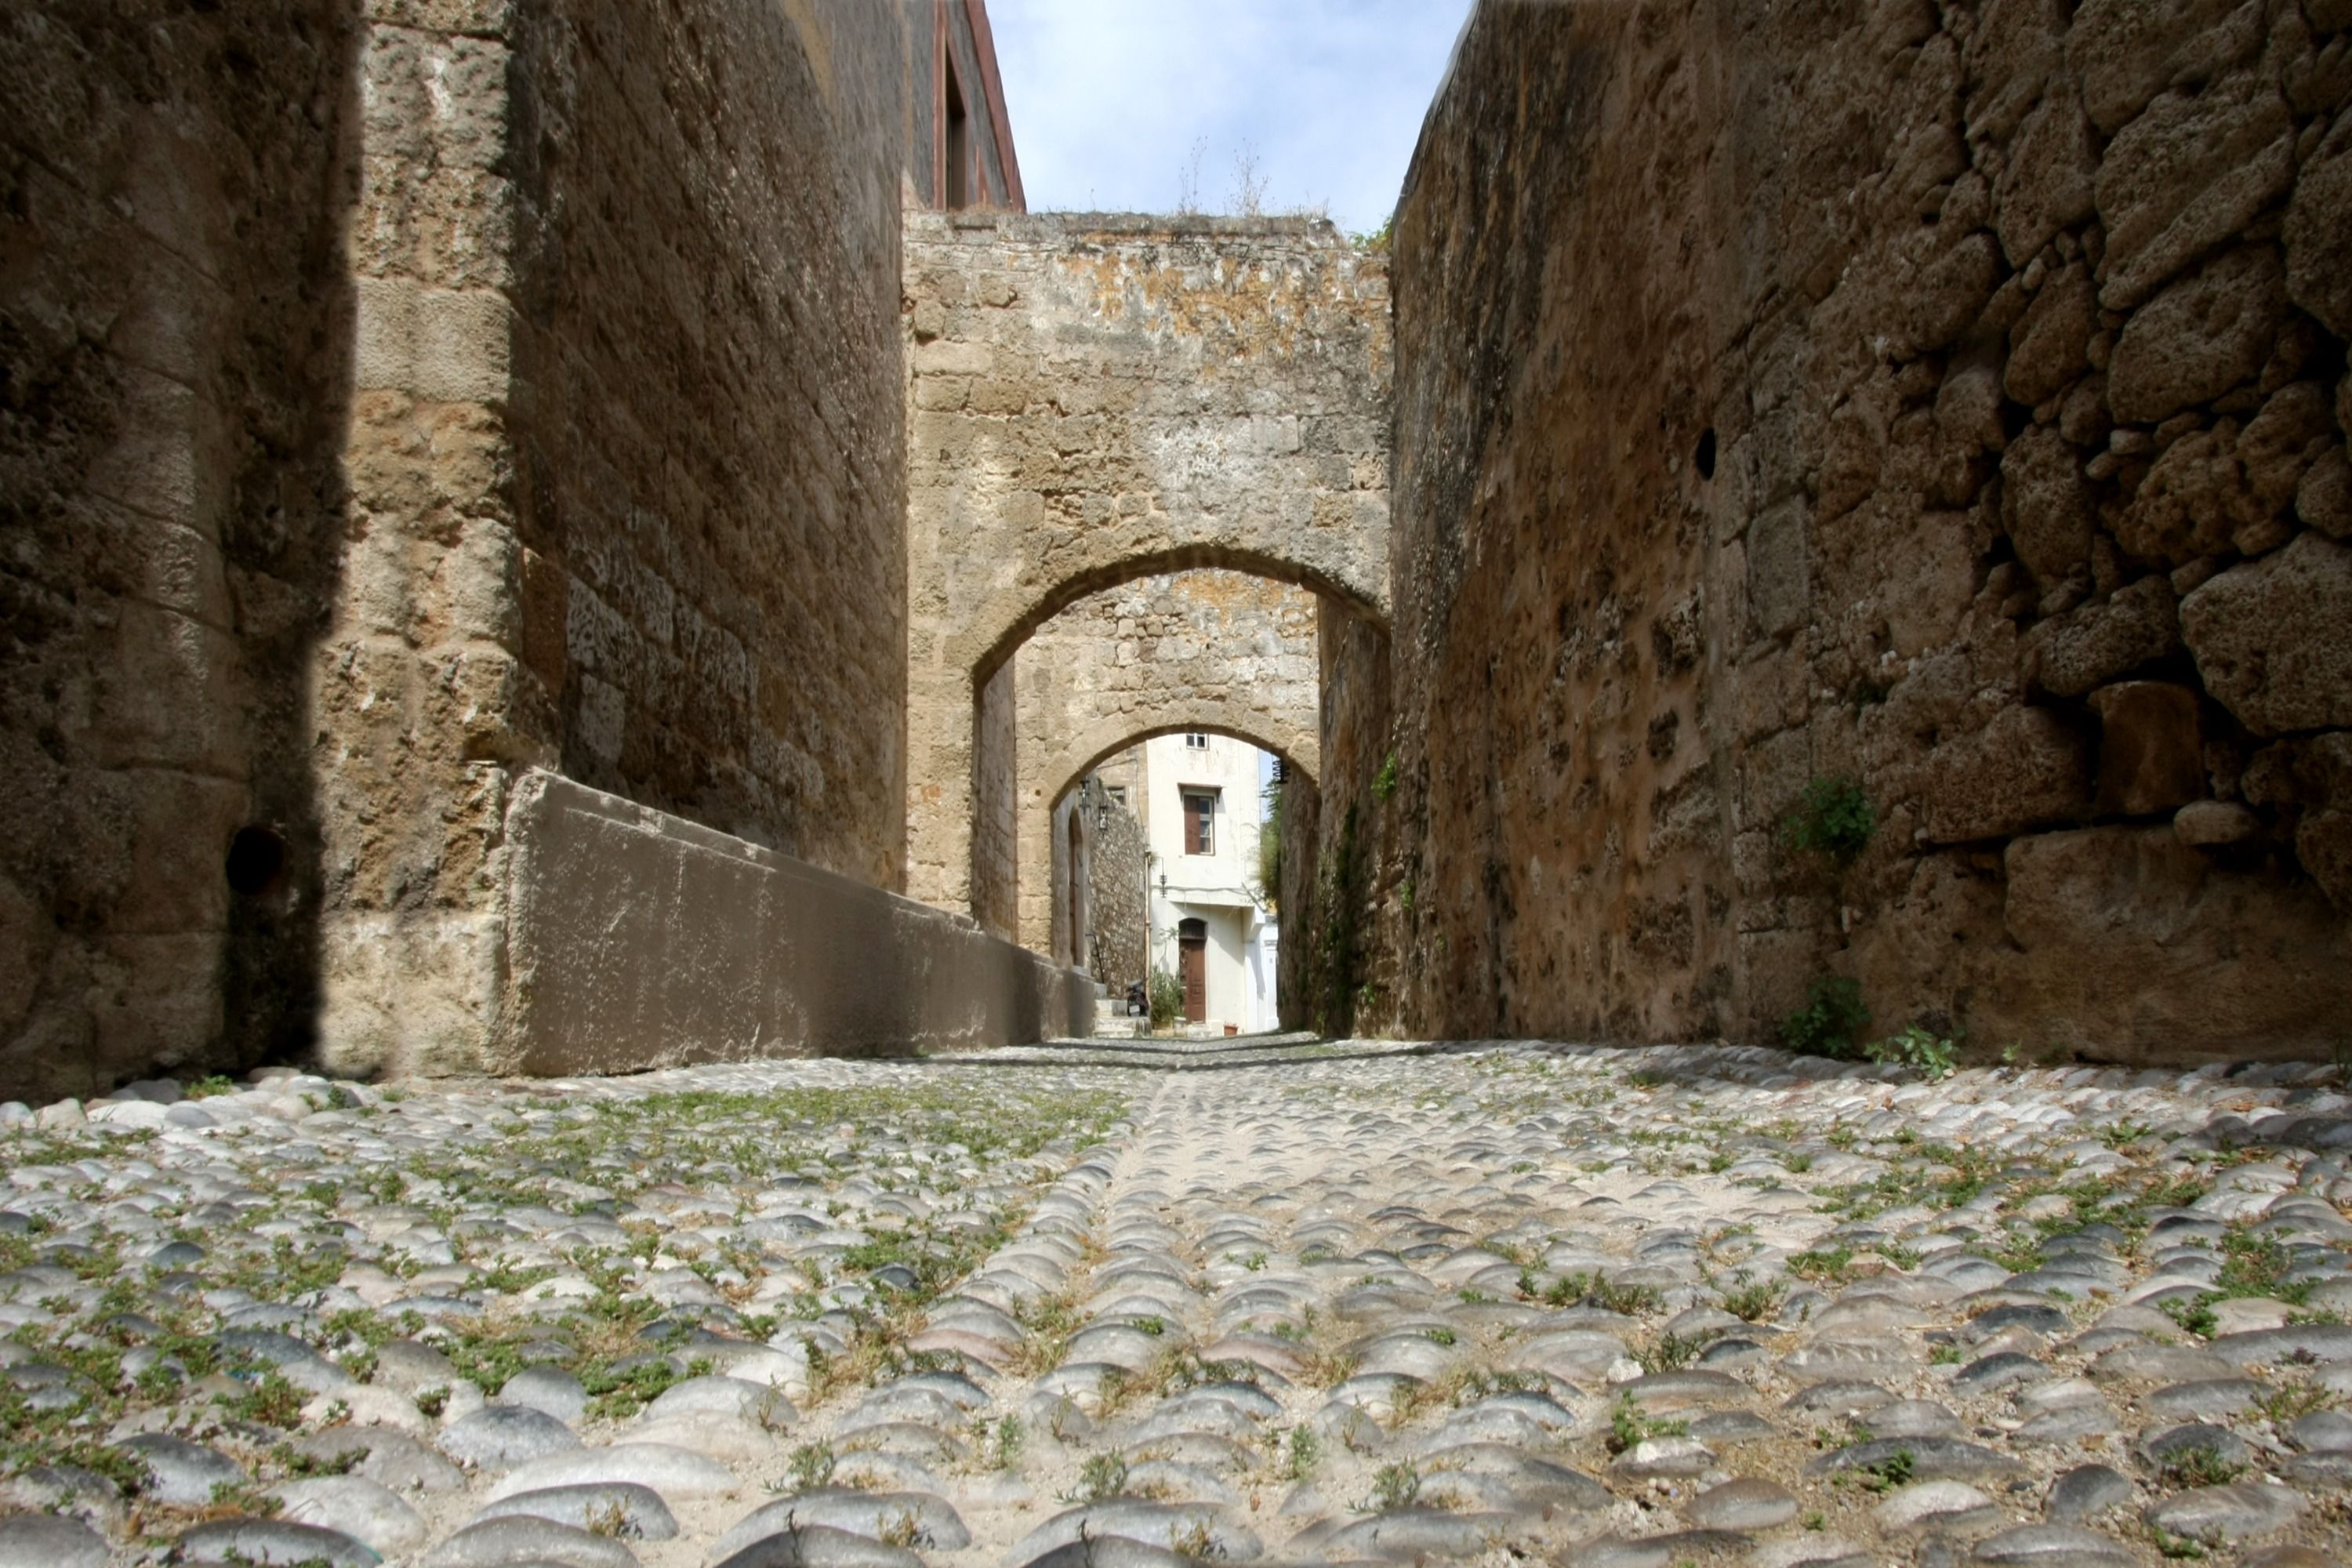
{"points": [[1199, 797]]}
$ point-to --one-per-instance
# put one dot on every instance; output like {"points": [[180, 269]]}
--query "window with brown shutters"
{"points": [[1200, 822]]}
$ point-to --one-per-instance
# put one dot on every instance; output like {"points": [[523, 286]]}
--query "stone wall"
{"points": [[1191, 651], [626, 457], [174, 373], [1118, 924], [400, 396], [642, 940], [1950, 404], [1343, 888], [1094, 398], [710, 488]]}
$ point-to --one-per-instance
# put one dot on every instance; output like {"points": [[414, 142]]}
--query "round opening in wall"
{"points": [[257, 859], [1704, 455]]}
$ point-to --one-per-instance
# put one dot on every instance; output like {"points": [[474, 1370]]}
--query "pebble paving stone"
{"points": [[1140, 1304], [49, 1540]]}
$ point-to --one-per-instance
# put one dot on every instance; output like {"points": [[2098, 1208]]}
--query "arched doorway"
{"points": [[961, 766], [1192, 967]]}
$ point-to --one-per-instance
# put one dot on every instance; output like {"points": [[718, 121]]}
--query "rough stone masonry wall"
{"points": [[1190, 650], [1343, 891], [710, 496], [174, 366], [400, 393], [1950, 399], [627, 455], [1117, 929], [1098, 397]]}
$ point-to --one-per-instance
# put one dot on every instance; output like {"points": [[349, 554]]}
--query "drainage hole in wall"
{"points": [[257, 858], [1704, 455]]}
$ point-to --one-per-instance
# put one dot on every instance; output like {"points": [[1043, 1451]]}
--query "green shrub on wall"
{"points": [[1832, 819], [1339, 900], [1831, 1022]]}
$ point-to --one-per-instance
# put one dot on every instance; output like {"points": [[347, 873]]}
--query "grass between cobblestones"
{"points": [[136, 1346]]}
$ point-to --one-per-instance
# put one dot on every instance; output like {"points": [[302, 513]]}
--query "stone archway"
{"points": [[1095, 399], [1237, 653], [1050, 812], [1041, 807]]}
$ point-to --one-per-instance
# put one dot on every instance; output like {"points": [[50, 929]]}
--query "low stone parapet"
{"points": [[638, 939]]}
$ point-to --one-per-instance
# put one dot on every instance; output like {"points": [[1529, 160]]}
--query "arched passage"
{"points": [[1092, 400], [966, 849], [1005, 620], [1091, 859], [1085, 754], [1233, 652]]}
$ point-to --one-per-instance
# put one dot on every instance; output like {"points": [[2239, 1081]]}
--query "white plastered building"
{"points": [[1201, 801]]}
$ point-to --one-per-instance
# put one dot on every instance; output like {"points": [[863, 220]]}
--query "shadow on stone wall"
{"points": [[176, 342], [1943, 410]]}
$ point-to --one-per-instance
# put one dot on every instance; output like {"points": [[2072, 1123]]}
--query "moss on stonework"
{"points": [[1338, 956]]}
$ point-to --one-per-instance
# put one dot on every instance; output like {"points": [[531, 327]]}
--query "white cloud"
{"points": [[1110, 98]]}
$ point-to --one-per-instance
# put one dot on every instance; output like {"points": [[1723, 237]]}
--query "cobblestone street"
{"points": [[1144, 1303]]}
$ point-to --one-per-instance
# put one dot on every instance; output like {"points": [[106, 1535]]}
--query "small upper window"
{"points": [[1195, 740], [1200, 822], [1118, 793], [958, 148]]}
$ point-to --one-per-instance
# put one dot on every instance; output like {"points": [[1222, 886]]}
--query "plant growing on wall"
{"points": [[1269, 850], [1342, 891], [1830, 1023], [1832, 819], [1384, 783]]}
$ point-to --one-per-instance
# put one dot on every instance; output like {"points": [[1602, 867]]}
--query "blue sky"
{"points": [[1110, 98]]}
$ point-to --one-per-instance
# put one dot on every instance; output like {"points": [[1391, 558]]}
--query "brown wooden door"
{"points": [[1192, 968]]}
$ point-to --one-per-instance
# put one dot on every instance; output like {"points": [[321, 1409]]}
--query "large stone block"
{"points": [[2068, 655], [2318, 232], [2045, 504], [2151, 748], [2279, 444], [2027, 768], [2324, 499], [2188, 175], [443, 346], [2272, 638], [2049, 346], [2046, 184], [2134, 946], [1779, 570], [1940, 298], [155, 1002], [2203, 335], [172, 693], [2198, 340], [639, 940], [1772, 777], [162, 453], [2323, 831], [2015, 47], [2127, 52], [2194, 501], [27, 933], [416, 992]]}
